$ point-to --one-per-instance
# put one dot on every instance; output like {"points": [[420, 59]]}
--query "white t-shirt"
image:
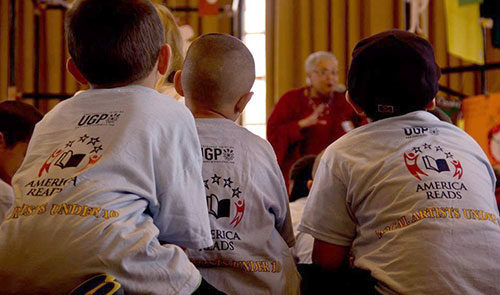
{"points": [[249, 214], [302, 250], [108, 174], [6, 198], [414, 197]]}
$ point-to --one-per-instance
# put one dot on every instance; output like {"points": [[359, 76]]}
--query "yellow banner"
{"points": [[465, 37]]}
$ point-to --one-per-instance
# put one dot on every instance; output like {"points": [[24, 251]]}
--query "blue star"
{"points": [[438, 148], [96, 149], [216, 179], [70, 143], [416, 150], [236, 192], [83, 138], [93, 140], [448, 155], [427, 146], [227, 182]]}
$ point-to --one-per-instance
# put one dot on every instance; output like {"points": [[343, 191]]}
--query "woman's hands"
{"points": [[313, 118]]}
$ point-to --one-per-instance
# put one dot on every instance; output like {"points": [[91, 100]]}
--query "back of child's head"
{"points": [[300, 174], [393, 73], [218, 70], [17, 121], [114, 42], [173, 38]]}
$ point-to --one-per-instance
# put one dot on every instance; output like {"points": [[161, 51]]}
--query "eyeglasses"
{"points": [[325, 73]]}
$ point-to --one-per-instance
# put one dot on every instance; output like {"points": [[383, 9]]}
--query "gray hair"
{"points": [[314, 58]]}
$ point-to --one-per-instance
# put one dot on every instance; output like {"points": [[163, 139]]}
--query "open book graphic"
{"points": [[67, 159], [218, 208], [438, 165]]}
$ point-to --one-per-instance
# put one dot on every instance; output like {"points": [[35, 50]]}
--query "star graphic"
{"points": [[427, 146], [438, 148], [96, 149], [93, 140], [206, 183], [227, 182], [236, 192], [448, 155], [417, 150], [83, 138], [70, 143], [216, 179]]}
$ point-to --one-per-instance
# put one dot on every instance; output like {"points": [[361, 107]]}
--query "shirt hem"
{"points": [[323, 237]]}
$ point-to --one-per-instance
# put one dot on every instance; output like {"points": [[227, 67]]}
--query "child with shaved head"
{"points": [[246, 194]]}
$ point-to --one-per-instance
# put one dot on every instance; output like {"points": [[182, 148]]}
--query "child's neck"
{"points": [[209, 114], [5, 177], [149, 81], [202, 111]]}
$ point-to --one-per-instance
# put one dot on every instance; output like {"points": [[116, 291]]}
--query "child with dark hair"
{"points": [[245, 190], [17, 121], [112, 180], [301, 178], [412, 195], [300, 174]]}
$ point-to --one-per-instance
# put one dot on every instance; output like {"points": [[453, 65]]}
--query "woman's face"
{"points": [[325, 76]]}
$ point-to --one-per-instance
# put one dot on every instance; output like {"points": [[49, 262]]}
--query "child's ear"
{"points": [[3, 144], [164, 58], [356, 108], [242, 103], [431, 105], [75, 72], [309, 184], [178, 83]]}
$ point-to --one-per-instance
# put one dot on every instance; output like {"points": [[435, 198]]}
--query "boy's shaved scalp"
{"points": [[218, 69]]}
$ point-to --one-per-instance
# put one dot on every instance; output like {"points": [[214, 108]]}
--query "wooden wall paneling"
{"points": [[355, 17], [437, 37], [320, 25], [381, 15], [25, 48], [4, 48], [54, 36], [339, 37]]}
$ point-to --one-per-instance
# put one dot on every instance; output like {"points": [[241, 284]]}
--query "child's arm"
{"points": [[329, 256], [277, 196], [181, 213]]}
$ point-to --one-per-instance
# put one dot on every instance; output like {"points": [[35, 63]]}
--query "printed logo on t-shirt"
{"points": [[226, 204], [217, 154], [428, 161], [494, 144], [99, 119], [417, 131], [64, 164]]}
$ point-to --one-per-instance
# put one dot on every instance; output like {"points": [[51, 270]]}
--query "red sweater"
{"points": [[289, 142]]}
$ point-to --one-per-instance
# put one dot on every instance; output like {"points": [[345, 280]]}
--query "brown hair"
{"points": [[174, 39], [17, 121], [114, 41]]}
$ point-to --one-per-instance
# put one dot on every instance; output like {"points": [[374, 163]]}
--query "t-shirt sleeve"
{"points": [[181, 213], [326, 215], [7, 199], [278, 200]]}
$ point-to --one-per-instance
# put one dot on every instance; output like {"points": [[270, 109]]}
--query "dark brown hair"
{"points": [[114, 42], [301, 173], [393, 73], [17, 121]]}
